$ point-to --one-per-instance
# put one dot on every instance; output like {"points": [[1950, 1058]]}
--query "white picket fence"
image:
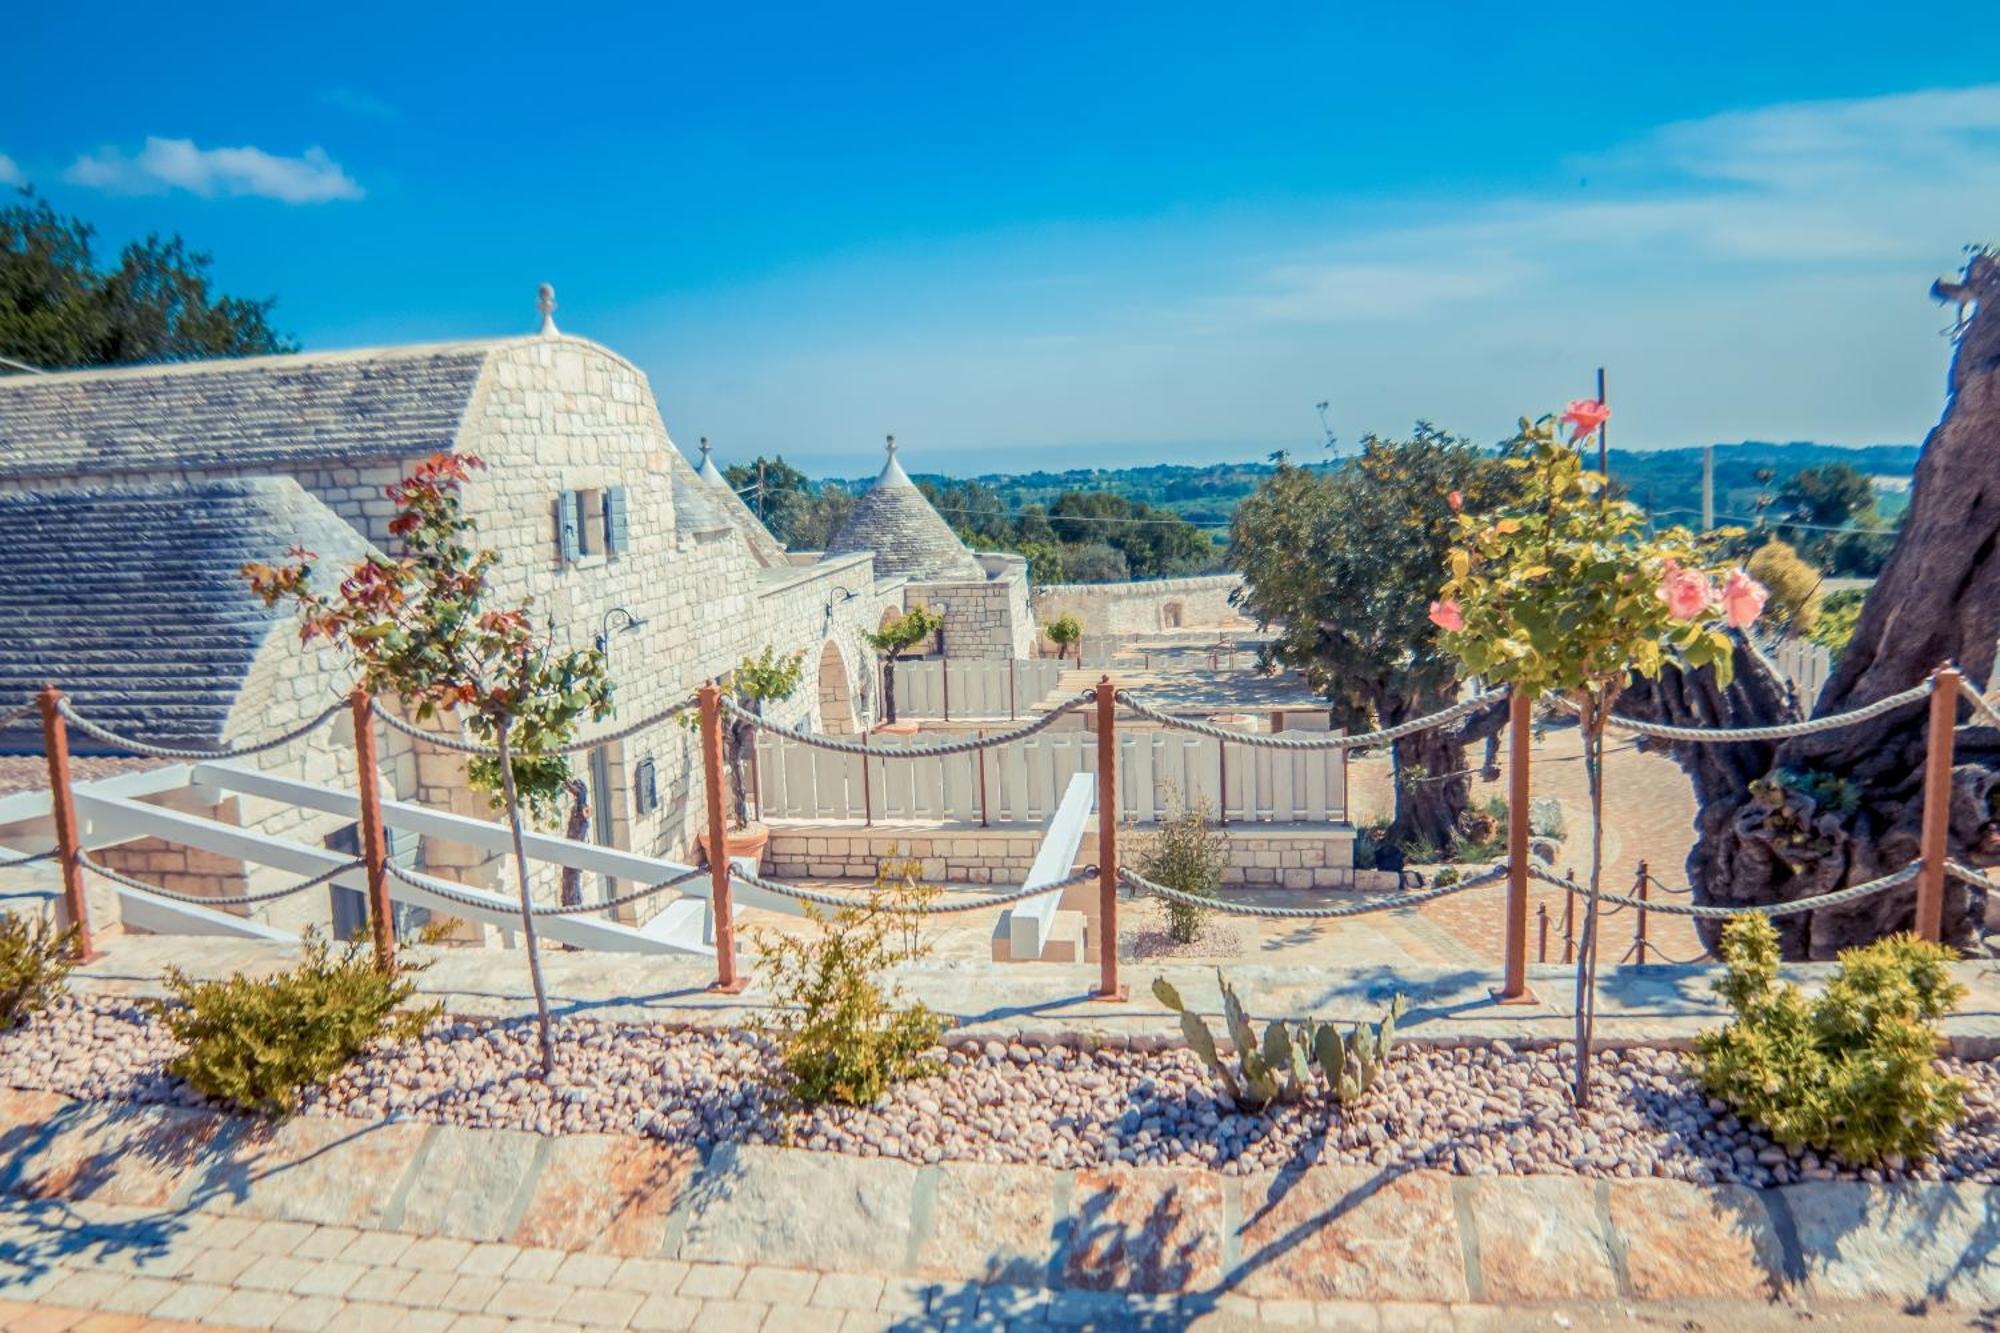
{"points": [[1024, 781], [1806, 664], [974, 689]]}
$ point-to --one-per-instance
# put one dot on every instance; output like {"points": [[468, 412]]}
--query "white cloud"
{"points": [[10, 173], [177, 164]]}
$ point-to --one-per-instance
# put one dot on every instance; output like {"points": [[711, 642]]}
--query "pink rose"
{"points": [[1743, 599], [1584, 416], [1456, 500], [1447, 616], [1687, 592]]}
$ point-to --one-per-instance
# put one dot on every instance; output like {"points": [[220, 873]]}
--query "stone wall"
{"points": [[1121, 610], [992, 619], [1261, 856]]}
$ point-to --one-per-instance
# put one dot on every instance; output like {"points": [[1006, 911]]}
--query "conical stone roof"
{"points": [[768, 549], [909, 538]]}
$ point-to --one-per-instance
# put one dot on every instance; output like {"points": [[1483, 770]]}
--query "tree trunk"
{"points": [[889, 689], [531, 944], [1761, 837], [577, 830], [740, 736], [1432, 786]]}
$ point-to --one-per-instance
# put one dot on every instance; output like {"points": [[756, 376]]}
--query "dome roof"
{"points": [[907, 536], [768, 549]]}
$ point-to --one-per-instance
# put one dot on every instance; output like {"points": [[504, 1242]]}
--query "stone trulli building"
{"points": [[130, 499]]}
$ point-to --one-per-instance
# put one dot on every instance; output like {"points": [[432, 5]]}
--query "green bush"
{"points": [[1185, 854], [258, 1042], [843, 1036], [35, 960], [1852, 1070]]}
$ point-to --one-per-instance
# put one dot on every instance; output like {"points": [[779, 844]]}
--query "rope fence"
{"points": [[1140, 884], [1778, 732], [203, 900], [1717, 911], [151, 751], [16, 713], [1981, 705], [1275, 741], [967, 746], [462, 746], [943, 908], [456, 893]]}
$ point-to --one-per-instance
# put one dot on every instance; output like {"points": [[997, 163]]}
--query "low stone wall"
{"points": [[1143, 607], [1288, 856]]}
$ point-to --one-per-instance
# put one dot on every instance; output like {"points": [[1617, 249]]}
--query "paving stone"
{"points": [[376, 1248], [329, 1277], [730, 1317], [309, 1314], [873, 1321], [427, 1290], [381, 1283], [1332, 1233], [1540, 1239], [647, 1276], [314, 1169], [666, 1312], [536, 1265], [847, 1291], [818, 1210], [276, 1237], [369, 1317], [275, 1272], [1144, 1231], [326, 1242], [519, 1299], [1006, 1302], [1685, 1242], [994, 1223], [588, 1270], [1348, 1316], [712, 1282], [1416, 1317], [905, 1295], [600, 1191], [435, 1254], [469, 1182], [603, 1309], [469, 1295], [1905, 1243], [245, 1308], [136, 1295], [776, 1286], [489, 1260], [1288, 1314], [116, 1152], [785, 1318], [190, 1301], [221, 1267], [478, 1323]]}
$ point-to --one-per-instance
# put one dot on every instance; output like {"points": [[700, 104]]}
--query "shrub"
{"points": [[35, 960], [1851, 1070], [1188, 855], [1279, 1066], [1482, 831], [1793, 585], [257, 1042], [841, 1035], [1063, 631], [1838, 614]]}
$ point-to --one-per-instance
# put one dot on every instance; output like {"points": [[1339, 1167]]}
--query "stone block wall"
{"points": [[1120, 610], [992, 620]]}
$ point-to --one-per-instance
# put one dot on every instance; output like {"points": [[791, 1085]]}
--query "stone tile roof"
{"points": [[133, 599], [768, 550], [394, 401], [909, 537]]}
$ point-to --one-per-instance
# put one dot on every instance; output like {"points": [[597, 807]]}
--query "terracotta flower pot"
{"points": [[746, 843]]}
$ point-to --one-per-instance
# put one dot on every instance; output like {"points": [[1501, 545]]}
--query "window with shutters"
{"points": [[592, 525], [617, 522], [645, 781]]}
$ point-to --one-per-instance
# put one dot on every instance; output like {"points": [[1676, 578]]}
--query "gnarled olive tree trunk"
{"points": [[1821, 812]]}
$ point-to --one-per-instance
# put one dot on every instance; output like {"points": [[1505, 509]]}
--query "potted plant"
{"points": [[764, 679], [894, 639]]}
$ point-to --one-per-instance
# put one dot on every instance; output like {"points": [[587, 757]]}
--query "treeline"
{"points": [[1078, 537]]}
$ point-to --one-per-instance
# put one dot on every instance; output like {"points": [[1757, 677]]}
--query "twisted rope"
{"points": [[199, 900], [1965, 874], [1313, 742], [1725, 735], [1141, 884], [151, 751], [1715, 911], [914, 909], [455, 893], [447, 742], [48, 855], [15, 714], [966, 746], [1980, 703]]}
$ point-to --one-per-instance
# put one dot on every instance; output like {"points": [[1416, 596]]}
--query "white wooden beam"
{"points": [[1028, 922]]}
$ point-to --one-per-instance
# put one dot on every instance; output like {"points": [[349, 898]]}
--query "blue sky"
{"points": [[1047, 235]]}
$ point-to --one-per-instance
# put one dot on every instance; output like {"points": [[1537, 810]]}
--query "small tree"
{"points": [[896, 638], [1063, 631], [1794, 585], [765, 678], [1563, 593], [418, 626], [1189, 855]]}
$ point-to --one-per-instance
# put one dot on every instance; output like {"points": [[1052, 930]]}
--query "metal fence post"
{"points": [[62, 803], [374, 840], [1569, 917], [1542, 918], [1107, 842], [1514, 975], [1934, 837], [1639, 925], [726, 979]]}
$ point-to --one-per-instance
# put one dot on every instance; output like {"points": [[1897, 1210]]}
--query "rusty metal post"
{"points": [[726, 979], [1107, 843], [1639, 924], [374, 839], [980, 755], [1934, 837], [62, 803], [1514, 972], [1542, 920], [1569, 918], [867, 793]]}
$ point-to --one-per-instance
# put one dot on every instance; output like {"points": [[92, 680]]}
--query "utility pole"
{"points": [[1708, 489], [760, 489], [1603, 449]]}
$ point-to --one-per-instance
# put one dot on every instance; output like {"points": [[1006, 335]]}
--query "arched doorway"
{"points": [[1170, 615], [836, 693]]}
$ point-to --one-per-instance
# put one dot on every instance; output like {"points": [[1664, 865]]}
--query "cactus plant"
{"points": [[1279, 1068]]}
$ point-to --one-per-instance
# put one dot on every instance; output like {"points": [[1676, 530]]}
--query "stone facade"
{"points": [[1121, 610]]}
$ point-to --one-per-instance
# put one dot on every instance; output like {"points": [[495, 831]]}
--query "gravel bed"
{"points": [[1477, 1110]]}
